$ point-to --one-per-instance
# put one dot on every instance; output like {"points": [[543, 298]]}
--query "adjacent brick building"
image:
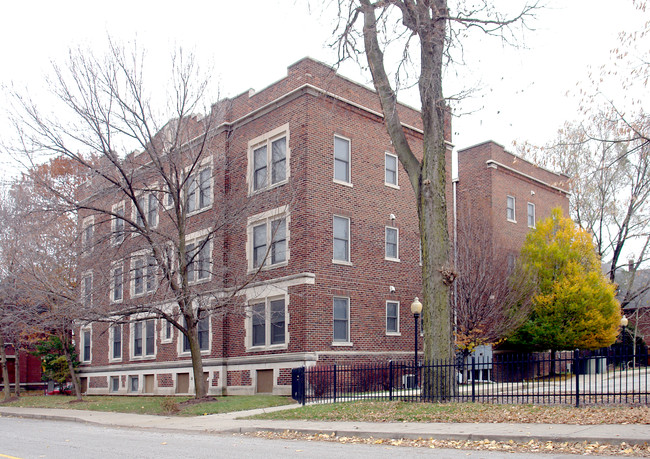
{"points": [[322, 192]]}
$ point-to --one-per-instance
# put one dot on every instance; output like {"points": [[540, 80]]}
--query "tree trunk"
{"points": [[427, 179], [5, 368], [17, 371], [200, 389], [68, 358]]}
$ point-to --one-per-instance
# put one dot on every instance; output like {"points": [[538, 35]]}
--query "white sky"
{"points": [[250, 43]]}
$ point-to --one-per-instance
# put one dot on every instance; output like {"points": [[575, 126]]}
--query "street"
{"points": [[29, 438]]}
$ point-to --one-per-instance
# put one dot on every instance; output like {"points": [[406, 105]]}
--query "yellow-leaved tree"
{"points": [[575, 306]]}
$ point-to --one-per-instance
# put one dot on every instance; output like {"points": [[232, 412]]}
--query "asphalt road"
{"points": [[31, 438]]}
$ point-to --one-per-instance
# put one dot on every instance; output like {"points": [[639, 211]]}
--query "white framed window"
{"points": [[143, 338], [115, 352], [198, 190], [87, 234], [203, 329], [87, 289], [341, 320], [342, 160], [392, 243], [390, 175], [510, 209], [268, 159], [86, 345], [143, 274], [117, 224], [115, 383], [268, 239], [199, 260], [117, 283], [392, 318], [134, 383], [166, 331], [267, 324], [531, 215], [148, 204], [341, 240]]}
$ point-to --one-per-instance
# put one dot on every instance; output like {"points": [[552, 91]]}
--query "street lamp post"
{"points": [[416, 309]]}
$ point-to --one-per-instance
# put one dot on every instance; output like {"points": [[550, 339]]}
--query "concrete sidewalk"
{"points": [[229, 423]]}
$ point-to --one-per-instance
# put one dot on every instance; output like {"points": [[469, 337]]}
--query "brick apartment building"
{"points": [[309, 162]]}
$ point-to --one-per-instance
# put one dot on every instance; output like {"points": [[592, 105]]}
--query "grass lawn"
{"points": [[464, 412], [152, 405]]}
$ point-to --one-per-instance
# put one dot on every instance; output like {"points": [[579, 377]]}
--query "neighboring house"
{"points": [[506, 194], [339, 213], [635, 299], [30, 370]]}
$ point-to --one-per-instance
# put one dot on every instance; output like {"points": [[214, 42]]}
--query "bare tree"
{"points": [[151, 176], [493, 292], [430, 27]]}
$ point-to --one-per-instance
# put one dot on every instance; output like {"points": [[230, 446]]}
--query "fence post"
{"points": [[576, 371], [390, 380], [472, 374], [298, 385], [334, 383]]}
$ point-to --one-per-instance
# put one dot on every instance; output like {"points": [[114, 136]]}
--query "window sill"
{"points": [[199, 281], [269, 267], [199, 211], [114, 360], [341, 262], [268, 188], [117, 301], [393, 334], [511, 221], [341, 182], [390, 185], [142, 357], [271, 347], [189, 354], [341, 344], [397, 260]]}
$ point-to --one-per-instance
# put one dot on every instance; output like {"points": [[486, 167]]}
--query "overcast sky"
{"points": [[523, 91]]}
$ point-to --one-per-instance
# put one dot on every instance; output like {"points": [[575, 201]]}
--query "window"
{"points": [[198, 260], [203, 330], [133, 384], [341, 160], [341, 320], [148, 204], [392, 317], [143, 274], [268, 325], [144, 338], [341, 232], [510, 209], [152, 209], [117, 224], [115, 383], [87, 292], [277, 237], [85, 344], [116, 342], [390, 178], [268, 159], [199, 190], [87, 233], [531, 215], [167, 331], [117, 284], [392, 243], [268, 235]]}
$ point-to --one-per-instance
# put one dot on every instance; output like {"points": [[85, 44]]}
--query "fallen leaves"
{"points": [[582, 448]]}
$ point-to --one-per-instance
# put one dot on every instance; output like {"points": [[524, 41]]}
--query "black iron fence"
{"points": [[607, 376]]}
